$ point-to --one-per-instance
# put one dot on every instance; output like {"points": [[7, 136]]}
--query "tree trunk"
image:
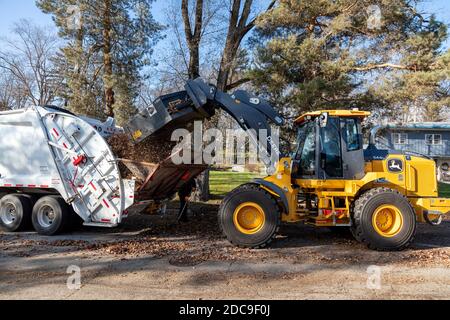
{"points": [[107, 59], [194, 62], [238, 28], [193, 37], [229, 54]]}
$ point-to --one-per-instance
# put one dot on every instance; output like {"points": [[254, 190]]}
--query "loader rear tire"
{"points": [[384, 220], [249, 217], [50, 216], [15, 213]]}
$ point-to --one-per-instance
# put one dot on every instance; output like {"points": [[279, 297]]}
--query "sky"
{"points": [[12, 11]]}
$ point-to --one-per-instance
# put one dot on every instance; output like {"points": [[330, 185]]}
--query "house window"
{"points": [[433, 139], [400, 138]]}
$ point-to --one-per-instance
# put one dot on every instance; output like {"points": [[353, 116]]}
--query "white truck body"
{"points": [[45, 151]]}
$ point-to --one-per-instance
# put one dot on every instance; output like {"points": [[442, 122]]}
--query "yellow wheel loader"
{"points": [[332, 181]]}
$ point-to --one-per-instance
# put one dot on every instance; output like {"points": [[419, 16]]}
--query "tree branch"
{"points": [[238, 83], [187, 22], [384, 65], [252, 23], [198, 21]]}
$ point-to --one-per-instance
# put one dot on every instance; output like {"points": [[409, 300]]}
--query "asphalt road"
{"points": [[156, 258]]}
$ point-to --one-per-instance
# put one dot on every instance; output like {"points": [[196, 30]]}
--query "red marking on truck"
{"points": [[65, 145], [106, 220], [19, 185], [8, 185], [79, 160], [44, 186], [106, 203], [131, 197], [56, 132], [31, 186], [93, 187], [186, 176]]}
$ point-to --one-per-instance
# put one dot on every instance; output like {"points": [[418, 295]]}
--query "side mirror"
{"points": [[323, 120]]}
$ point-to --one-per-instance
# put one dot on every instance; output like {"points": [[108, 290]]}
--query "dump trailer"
{"points": [[331, 181], [56, 167]]}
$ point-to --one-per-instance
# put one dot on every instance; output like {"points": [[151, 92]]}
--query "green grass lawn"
{"points": [[222, 182]]}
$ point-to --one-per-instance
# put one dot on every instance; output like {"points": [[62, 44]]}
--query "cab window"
{"points": [[330, 152], [351, 134], [306, 154]]}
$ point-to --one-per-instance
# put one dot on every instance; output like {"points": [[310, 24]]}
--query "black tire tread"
{"points": [[357, 209], [26, 215], [65, 215], [256, 188]]}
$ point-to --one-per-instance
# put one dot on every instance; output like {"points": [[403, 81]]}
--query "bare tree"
{"points": [[27, 58], [12, 94], [240, 24], [207, 39], [6, 92], [194, 45], [193, 35]]}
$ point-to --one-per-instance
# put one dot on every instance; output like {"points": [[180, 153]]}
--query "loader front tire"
{"points": [[50, 216], [249, 217], [384, 220], [15, 213]]}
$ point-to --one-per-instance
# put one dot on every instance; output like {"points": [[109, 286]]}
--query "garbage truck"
{"points": [[57, 167]]}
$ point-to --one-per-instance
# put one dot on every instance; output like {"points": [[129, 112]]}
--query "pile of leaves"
{"points": [[151, 150]]}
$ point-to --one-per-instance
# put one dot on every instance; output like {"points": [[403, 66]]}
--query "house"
{"points": [[431, 139]]}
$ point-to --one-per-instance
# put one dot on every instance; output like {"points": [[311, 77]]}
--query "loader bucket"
{"points": [[167, 113], [161, 181]]}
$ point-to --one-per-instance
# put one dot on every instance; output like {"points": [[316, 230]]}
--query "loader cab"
{"points": [[330, 146]]}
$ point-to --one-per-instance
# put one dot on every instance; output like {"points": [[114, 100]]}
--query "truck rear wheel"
{"points": [[50, 215], [384, 220], [249, 217], [15, 213]]}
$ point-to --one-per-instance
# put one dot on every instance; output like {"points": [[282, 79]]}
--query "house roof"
{"points": [[420, 126]]}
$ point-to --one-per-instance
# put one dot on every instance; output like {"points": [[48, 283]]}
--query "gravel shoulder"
{"points": [[153, 257]]}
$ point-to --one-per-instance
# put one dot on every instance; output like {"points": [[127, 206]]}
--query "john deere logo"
{"points": [[395, 165]]}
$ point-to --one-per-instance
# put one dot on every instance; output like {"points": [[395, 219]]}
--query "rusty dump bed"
{"points": [[161, 181]]}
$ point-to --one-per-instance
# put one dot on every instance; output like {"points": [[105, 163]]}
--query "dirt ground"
{"points": [[153, 257]]}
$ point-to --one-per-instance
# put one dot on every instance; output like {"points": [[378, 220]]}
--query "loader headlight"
{"points": [[444, 166]]}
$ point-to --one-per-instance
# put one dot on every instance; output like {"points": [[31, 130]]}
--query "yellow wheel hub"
{"points": [[387, 220], [249, 218]]}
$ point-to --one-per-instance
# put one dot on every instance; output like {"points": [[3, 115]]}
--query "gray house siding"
{"points": [[416, 142]]}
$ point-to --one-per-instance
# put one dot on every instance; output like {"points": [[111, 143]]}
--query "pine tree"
{"points": [[425, 86], [344, 54], [109, 42]]}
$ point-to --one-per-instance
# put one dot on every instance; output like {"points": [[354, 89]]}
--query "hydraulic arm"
{"points": [[200, 101]]}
